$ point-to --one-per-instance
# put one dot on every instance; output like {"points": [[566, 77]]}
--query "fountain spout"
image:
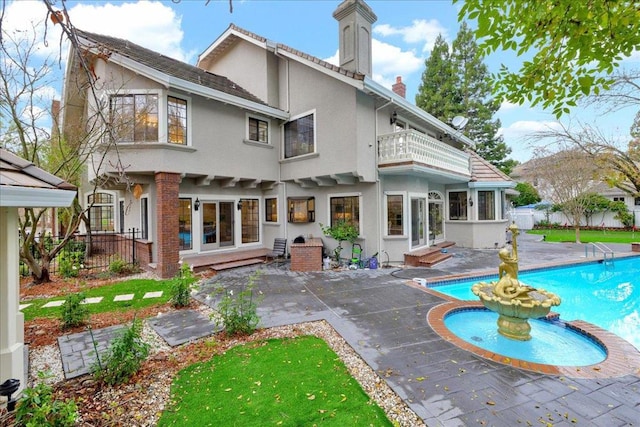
{"points": [[514, 301]]}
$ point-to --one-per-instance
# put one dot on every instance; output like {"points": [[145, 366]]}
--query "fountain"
{"points": [[514, 301]]}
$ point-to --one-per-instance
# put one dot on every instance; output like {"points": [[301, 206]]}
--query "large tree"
{"points": [[569, 47], [456, 83]]}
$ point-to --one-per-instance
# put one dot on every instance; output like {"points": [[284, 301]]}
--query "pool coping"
{"points": [[622, 357]]}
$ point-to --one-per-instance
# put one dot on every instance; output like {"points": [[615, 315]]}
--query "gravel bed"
{"points": [[146, 399]]}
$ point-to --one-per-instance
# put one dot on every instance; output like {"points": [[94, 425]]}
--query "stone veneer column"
{"points": [[167, 206]]}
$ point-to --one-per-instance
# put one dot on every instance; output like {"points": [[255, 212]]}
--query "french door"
{"points": [[217, 224], [418, 222]]}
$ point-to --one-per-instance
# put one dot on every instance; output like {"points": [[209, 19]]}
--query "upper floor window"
{"points": [[101, 212], [299, 136], [258, 130], [345, 209], [458, 205], [486, 205], [618, 199], [134, 118], [176, 120]]}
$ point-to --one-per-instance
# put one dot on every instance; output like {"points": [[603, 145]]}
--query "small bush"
{"points": [[123, 358], [73, 313], [38, 408], [121, 267], [239, 313], [181, 286]]}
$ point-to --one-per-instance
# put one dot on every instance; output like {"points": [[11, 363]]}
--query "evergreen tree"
{"points": [[457, 83]]}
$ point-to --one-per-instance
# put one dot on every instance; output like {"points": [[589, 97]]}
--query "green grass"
{"points": [[587, 236], [288, 382], [138, 287]]}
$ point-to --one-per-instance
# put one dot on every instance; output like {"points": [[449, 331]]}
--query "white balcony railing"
{"points": [[413, 146]]}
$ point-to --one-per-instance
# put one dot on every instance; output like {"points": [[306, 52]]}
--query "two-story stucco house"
{"points": [[259, 141]]}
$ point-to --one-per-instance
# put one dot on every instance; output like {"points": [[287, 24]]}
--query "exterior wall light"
{"points": [[196, 204]]}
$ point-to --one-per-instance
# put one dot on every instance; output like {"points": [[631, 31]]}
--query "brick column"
{"points": [[167, 204]]}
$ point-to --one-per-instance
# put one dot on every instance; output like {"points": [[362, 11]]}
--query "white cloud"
{"points": [[506, 106], [518, 135], [420, 31]]}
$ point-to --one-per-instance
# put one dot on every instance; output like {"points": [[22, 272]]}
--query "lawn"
{"points": [[290, 382], [138, 287], [588, 236]]}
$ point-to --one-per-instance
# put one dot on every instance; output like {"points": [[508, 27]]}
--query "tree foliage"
{"points": [[528, 194], [456, 83], [569, 47]]}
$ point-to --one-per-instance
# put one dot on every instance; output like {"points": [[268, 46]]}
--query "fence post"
{"points": [[133, 245]]}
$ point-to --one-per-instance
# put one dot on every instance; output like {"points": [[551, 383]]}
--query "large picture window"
{"points": [[134, 118], [458, 205], [102, 211], [395, 205], [177, 120], [258, 130], [345, 209], [486, 205], [299, 136]]}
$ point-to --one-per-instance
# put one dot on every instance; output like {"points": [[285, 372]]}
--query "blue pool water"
{"points": [[607, 295], [569, 347]]}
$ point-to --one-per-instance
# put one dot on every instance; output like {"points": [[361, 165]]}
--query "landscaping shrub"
{"points": [[181, 286], [72, 312], [37, 407], [239, 313], [119, 266], [123, 358]]}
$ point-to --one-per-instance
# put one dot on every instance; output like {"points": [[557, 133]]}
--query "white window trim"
{"points": [[108, 93], [149, 225], [163, 113], [315, 135], [404, 215], [355, 194], [469, 208], [115, 206], [261, 118], [497, 215]]}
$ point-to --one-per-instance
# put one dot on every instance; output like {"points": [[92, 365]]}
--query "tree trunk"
{"points": [[44, 275]]}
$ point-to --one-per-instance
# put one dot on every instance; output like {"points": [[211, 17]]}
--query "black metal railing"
{"points": [[104, 250]]}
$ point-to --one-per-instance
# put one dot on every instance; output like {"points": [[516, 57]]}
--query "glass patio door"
{"points": [[418, 222], [217, 224], [436, 221]]}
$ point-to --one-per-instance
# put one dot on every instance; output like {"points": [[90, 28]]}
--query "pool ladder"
{"points": [[601, 247]]}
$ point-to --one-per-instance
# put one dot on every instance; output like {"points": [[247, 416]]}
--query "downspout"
{"points": [[285, 217], [378, 186]]}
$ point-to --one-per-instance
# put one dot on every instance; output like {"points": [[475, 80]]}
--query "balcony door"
{"points": [[217, 224], [418, 222]]}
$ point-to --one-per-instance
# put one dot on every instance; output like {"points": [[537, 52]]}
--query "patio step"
{"points": [[428, 257], [234, 264]]}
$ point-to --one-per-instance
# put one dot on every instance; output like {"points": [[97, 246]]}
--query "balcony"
{"points": [[414, 152]]}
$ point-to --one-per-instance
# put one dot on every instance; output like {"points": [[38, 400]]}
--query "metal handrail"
{"points": [[601, 247]]}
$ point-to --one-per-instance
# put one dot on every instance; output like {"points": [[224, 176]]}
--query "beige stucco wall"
{"points": [[477, 234]]}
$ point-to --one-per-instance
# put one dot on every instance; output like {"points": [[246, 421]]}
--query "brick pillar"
{"points": [[167, 204]]}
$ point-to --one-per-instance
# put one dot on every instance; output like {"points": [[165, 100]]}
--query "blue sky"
{"points": [[402, 39]]}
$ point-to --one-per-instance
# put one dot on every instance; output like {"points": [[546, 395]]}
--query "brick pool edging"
{"points": [[622, 357]]}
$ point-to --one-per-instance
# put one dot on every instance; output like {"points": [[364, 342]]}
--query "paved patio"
{"points": [[384, 320]]}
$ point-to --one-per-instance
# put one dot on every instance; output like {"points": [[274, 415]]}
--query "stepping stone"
{"points": [[23, 306], [77, 350], [183, 326], [53, 304], [92, 300], [157, 294], [126, 297]]}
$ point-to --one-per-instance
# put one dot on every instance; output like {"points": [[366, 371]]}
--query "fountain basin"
{"points": [[553, 343]]}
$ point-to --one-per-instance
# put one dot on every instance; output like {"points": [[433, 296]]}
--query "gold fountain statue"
{"points": [[514, 301]]}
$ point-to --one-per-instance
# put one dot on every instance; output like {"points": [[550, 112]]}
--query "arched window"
{"points": [[101, 212]]}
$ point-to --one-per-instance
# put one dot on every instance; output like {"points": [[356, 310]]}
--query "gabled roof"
{"points": [[22, 184], [176, 73], [484, 173], [233, 34]]}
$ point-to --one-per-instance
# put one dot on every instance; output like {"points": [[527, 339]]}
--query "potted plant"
{"points": [[341, 231]]}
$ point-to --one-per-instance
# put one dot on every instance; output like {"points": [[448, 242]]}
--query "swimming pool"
{"points": [[607, 295]]}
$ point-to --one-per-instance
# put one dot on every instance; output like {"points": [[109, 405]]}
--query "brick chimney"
{"points": [[399, 88]]}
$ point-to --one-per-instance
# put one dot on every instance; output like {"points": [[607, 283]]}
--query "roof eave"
{"points": [[28, 197]]}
